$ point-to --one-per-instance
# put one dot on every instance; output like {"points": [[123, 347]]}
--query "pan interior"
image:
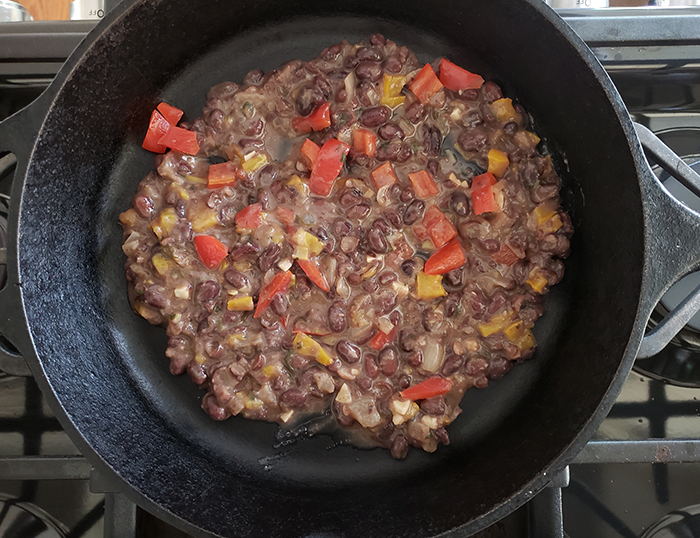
{"points": [[107, 367]]}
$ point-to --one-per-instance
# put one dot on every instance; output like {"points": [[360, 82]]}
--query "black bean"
{"points": [[399, 448], [252, 198], [498, 301], [293, 398], [459, 203], [472, 119], [171, 197], [388, 361], [407, 195], [393, 64], [382, 225], [207, 290], [302, 285], [413, 212], [180, 208], [308, 98], [366, 93], [389, 131], [370, 286], [322, 84], [407, 340], [451, 304], [154, 297], [390, 151], [341, 96], [350, 196], [198, 372], [393, 218], [395, 318], [267, 175], [268, 258], [375, 116], [254, 127], [415, 112], [385, 301], [476, 366], [404, 381], [387, 278], [368, 70], [364, 384], [268, 320], [452, 364], [371, 366], [510, 128], [408, 267], [280, 303], [433, 166], [264, 199], [336, 317], [354, 279], [432, 139], [468, 95], [377, 241], [341, 228], [237, 279], [215, 118], [472, 139], [499, 367], [242, 250], [358, 212], [490, 245], [350, 353], [433, 406], [144, 206], [331, 53], [377, 40], [370, 54], [544, 192], [492, 91], [486, 113], [253, 78], [415, 359], [442, 435]]}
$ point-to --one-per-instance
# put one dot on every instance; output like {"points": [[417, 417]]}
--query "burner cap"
{"points": [[679, 362], [677, 524], [25, 520]]}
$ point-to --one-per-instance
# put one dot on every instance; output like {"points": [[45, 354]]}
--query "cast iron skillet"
{"points": [[103, 370]]}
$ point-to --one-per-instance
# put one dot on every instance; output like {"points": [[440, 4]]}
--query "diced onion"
{"points": [[433, 355]]}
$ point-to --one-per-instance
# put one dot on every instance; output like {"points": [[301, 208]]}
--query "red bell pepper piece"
{"points": [[210, 250], [505, 255], [180, 140], [420, 231], [426, 84], [439, 228], [309, 151], [280, 282], [157, 127], [482, 194], [365, 142], [424, 184], [249, 217], [316, 121], [327, 166], [222, 174], [285, 215], [384, 175], [313, 271], [381, 339], [433, 386], [448, 258], [455, 78], [170, 113]]}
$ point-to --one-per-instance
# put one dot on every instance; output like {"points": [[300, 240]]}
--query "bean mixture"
{"points": [[357, 234]]}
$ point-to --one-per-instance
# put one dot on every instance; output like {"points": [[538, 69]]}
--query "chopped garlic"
{"points": [[348, 374], [431, 422], [400, 289], [344, 396], [400, 405], [385, 324], [182, 292], [286, 415], [285, 264]]}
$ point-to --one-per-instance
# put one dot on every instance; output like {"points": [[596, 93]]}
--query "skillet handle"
{"points": [[17, 134], [674, 255]]}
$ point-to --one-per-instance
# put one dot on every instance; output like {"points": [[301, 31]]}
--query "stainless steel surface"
{"points": [[87, 10], [577, 4], [13, 12]]}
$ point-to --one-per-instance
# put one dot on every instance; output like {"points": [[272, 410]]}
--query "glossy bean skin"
{"points": [[413, 212], [336, 317], [374, 117]]}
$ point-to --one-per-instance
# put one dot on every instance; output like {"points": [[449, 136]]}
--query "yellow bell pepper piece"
{"points": [[309, 347], [204, 220], [180, 191], [551, 225], [162, 264], [196, 180], [537, 280], [543, 213], [393, 84], [429, 286], [240, 304], [164, 224], [300, 186], [129, 218], [526, 139], [498, 323], [526, 341], [498, 162], [304, 239], [514, 331], [504, 111], [255, 163]]}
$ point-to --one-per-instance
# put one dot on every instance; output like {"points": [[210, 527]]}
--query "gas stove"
{"points": [[639, 475]]}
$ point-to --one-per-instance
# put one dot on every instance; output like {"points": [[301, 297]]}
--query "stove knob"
{"points": [[87, 9], [13, 12]]}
